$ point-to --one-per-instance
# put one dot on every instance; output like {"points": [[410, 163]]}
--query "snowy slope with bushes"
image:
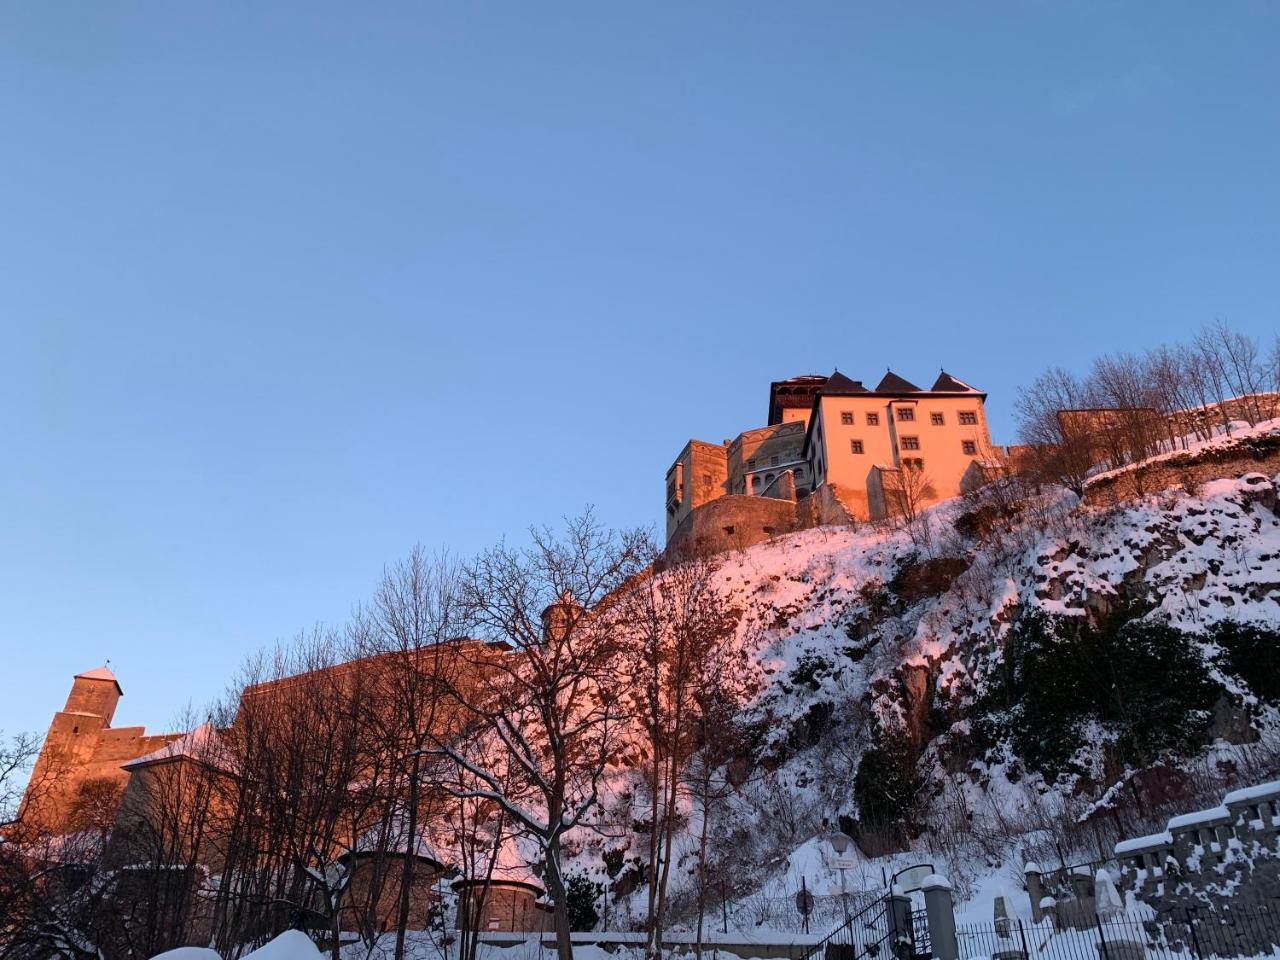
{"points": [[998, 681]]}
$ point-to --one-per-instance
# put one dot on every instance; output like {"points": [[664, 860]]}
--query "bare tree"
{"points": [[163, 839], [1212, 365], [414, 615], [680, 622], [297, 745], [907, 491], [1273, 370], [1121, 385], [550, 703], [17, 755], [480, 830], [55, 893], [1060, 448], [723, 681], [1244, 369], [1176, 395]]}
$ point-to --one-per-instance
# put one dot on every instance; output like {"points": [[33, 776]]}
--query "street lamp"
{"points": [[842, 843]]}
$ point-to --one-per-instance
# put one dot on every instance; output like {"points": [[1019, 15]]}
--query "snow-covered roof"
{"points": [[200, 744], [1152, 841], [511, 867], [1199, 817], [396, 840], [1261, 791]]}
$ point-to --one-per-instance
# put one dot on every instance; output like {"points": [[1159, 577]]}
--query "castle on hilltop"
{"points": [[832, 451]]}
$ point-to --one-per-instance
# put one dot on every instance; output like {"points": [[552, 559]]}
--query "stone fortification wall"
{"points": [[737, 522], [82, 752], [1251, 455], [732, 523]]}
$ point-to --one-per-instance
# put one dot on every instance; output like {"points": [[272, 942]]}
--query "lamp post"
{"points": [[840, 843]]}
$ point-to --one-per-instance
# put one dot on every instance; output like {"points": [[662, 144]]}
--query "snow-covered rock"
{"points": [[848, 628], [290, 945]]}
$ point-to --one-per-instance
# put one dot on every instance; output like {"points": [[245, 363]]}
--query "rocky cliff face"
{"points": [[999, 681]]}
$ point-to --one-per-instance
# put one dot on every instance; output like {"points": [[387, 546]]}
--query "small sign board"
{"points": [[844, 863], [804, 902]]}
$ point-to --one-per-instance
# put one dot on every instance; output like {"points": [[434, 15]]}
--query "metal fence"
{"points": [[867, 933], [826, 911], [1181, 935]]}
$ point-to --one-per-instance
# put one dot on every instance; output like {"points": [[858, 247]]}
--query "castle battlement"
{"points": [[80, 769]]}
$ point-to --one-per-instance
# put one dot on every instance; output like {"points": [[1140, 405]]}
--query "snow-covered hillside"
{"points": [[908, 659]]}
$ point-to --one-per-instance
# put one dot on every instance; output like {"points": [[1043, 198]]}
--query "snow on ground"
{"points": [[290, 945], [1190, 445], [1200, 559]]}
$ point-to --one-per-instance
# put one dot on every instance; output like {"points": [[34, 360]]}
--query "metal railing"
{"points": [[1252, 931], [874, 934]]}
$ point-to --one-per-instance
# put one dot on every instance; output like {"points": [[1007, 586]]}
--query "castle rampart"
{"points": [[83, 752]]}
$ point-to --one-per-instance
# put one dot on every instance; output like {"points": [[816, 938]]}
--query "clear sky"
{"points": [[288, 287]]}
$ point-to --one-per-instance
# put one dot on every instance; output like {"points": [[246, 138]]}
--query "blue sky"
{"points": [[286, 288]]}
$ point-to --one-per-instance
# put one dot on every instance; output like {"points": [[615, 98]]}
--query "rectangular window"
{"points": [[873, 419], [773, 461], [751, 464], [846, 418], [910, 443], [968, 418], [855, 446], [936, 419], [913, 463], [970, 448], [906, 414]]}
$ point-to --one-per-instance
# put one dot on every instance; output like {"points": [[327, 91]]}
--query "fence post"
{"points": [[1195, 939], [1035, 889], [899, 909], [1022, 935], [940, 911], [1102, 937]]}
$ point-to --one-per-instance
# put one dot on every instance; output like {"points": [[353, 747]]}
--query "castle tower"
{"points": [[84, 754], [72, 739], [94, 693], [560, 617]]}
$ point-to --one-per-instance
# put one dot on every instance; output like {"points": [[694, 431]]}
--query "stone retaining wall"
{"points": [[1251, 455]]}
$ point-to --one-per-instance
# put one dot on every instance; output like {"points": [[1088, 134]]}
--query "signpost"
{"points": [[844, 859], [804, 903]]}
